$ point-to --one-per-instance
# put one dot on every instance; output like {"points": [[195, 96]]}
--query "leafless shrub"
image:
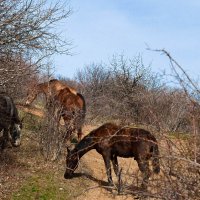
{"points": [[14, 75], [166, 109], [52, 136], [94, 82], [26, 27], [128, 92], [180, 172], [181, 151], [57, 133]]}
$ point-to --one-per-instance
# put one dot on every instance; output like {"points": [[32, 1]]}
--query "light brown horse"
{"points": [[71, 104], [73, 110], [49, 89], [112, 141]]}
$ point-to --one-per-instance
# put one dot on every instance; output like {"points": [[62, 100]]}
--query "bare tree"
{"points": [[93, 80], [28, 27], [181, 154], [28, 35]]}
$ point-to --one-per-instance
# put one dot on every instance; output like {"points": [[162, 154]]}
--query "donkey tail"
{"points": [[155, 161], [84, 105]]}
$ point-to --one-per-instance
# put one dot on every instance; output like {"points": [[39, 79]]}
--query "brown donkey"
{"points": [[51, 88], [71, 104], [73, 110], [112, 141]]}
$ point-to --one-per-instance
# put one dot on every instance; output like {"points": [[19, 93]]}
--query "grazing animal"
{"points": [[72, 104], [10, 122], [112, 141], [51, 88], [73, 110]]}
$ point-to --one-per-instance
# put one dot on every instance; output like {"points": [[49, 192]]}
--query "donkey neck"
{"points": [[85, 145], [50, 87]]}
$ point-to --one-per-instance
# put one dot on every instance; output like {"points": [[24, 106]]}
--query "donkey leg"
{"points": [[144, 168], [106, 159], [115, 164], [117, 172], [5, 138], [78, 124], [79, 134]]}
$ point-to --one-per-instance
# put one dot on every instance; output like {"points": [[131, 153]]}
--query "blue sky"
{"points": [[99, 29]]}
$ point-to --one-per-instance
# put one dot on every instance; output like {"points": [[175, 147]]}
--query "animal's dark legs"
{"points": [[106, 159], [155, 161], [117, 172], [144, 168], [115, 165], [79, 134], [5, 138], [78, 122]]}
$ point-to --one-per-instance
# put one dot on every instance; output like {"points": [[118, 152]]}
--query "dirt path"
{"points": [[95, 163]]}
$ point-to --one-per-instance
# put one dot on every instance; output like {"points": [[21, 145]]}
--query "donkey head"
{"points": [[15, 133], [71, 163]]}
